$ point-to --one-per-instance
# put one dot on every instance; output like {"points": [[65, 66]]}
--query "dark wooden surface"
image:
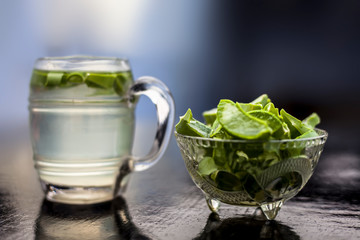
{"points": [[163, 203]]}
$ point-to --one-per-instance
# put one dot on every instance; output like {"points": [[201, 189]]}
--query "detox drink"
{"points": [[82, 126]]}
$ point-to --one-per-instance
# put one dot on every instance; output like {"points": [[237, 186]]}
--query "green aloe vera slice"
{"points": [[191, 127], [53, 79], [271, 119], [270, 107], [262, 99], [120, 85], [207, 166], [215, 128], [309, 134], [210, 116], [295, 125], [76, 77], [239, 123], [312, 120], [283, 132], [247, 107], [100, 80]]}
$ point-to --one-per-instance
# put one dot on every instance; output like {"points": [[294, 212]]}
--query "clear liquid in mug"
{"points": [[82, 130]]}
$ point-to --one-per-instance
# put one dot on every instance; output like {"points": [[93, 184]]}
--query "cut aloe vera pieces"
{"points": [[53, 79], [247, 107], [104, 83], [100, 81], [312, 120], [262, 99], [283, 132], [210, 116], [270, 107], [191, 127], [215, 128], [311, 133], [295, 125], [271, 119], [75, 77], [120, 85], [239, 123], [207, 166]]}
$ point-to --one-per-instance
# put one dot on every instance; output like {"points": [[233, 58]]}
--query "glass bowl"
{"points": [[250, 172]]}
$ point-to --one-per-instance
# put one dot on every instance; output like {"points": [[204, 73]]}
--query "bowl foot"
{"points": [[212, 203], [270, 210]]}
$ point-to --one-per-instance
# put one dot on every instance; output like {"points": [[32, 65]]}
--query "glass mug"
{"points": [[82, 126]]}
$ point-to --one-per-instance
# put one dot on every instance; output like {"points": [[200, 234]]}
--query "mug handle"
{"points": [[161, 97]]}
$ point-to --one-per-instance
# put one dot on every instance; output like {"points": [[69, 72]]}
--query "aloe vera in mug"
{"points": [[81, 124]]}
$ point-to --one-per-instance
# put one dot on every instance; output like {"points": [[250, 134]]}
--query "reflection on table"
{"points": [[110, 220], [247, 227]]}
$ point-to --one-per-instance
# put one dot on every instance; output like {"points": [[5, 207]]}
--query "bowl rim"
{"points": [[322, 134]]}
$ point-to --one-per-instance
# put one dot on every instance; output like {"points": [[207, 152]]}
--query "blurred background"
{"points": [[304, 54]]}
